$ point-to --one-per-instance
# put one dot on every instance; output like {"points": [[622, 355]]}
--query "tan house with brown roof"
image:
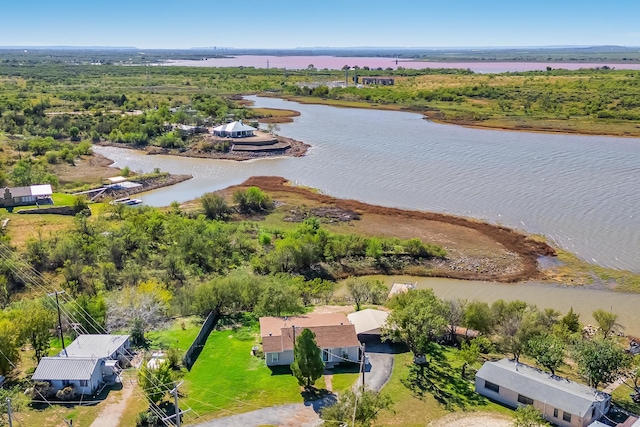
{"points": [[335, 336]]}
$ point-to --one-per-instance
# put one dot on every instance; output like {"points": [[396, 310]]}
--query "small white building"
{"points": [[235, 129], [562, 402], [335, 336], [85, 375]]}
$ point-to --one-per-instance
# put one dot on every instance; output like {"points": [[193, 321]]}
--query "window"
{"points": [[593, 413], [555, 412], [84, 383], [525, 400], [566, 417], [325, 355], [491, 386], [274, 357]]}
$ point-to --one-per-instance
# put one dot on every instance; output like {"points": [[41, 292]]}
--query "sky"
{"points": [[270, 24]]}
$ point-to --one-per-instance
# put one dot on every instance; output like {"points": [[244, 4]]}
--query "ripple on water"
{"points": [[578, 190]]}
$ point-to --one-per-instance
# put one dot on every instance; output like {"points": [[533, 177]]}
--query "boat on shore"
{"points": [[126, 201]]}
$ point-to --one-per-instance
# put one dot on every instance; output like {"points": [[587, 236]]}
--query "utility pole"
{"points": [[177, 413], [293, 334], [64, 350], [177, 406], [9, 412], [362, 365]]}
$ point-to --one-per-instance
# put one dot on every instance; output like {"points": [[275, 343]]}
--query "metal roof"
{"points": [[368, 321], [65, 368], [19, 191], [41, 190], [236, 126], [540, 386], [32, 190], [95, 345]]}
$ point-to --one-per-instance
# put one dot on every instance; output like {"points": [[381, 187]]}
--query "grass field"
{"points": [[228, 379], [179, 335], [420, 399]]}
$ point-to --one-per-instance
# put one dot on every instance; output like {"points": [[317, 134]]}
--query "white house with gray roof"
{"points": [[100, 346], [561, 401], [84, 374], [88, 362]]}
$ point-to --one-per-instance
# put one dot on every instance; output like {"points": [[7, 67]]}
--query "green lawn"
{"points": [[180, 335], [227, 377], [621, 396], [421, 398]]}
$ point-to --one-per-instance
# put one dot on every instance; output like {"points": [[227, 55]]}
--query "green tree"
{"points": [[606, 322], [215, 206], [469, 353], [477, 315], [417, 319], [548, 350], [37, 322], [74, 132], [572, 321], [278, 297], [307, 364], [528, 416], [599, 361], [8, 346], [155, 383], [367, 404], [359, 291]]}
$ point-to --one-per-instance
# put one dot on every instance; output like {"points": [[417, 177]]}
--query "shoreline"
{"points": [[296, 149], [147, 185], [432, 116], [527, 248]]}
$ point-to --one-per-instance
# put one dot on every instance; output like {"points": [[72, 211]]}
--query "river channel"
{"points": [[579, 191]]}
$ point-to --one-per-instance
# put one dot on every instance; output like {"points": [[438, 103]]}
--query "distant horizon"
{"points": [[436, 48], [288, 24]]}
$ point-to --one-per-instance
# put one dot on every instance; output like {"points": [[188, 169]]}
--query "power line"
{"points": [[70, 318]]}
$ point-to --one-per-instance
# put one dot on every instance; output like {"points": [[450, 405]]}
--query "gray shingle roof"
{"points": [[95, 345], [538, 385], [65, 368]]}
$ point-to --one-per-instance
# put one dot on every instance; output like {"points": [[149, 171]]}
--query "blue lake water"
{"points": [[579, 191]]}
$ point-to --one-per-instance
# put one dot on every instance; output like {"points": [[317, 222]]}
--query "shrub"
{"points": [[67, 393], [215, 207]]}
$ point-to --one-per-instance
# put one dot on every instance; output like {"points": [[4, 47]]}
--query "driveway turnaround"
{"points": [[293, 415]]}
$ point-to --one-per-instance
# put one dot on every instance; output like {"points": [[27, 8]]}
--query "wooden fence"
{"points": [[194, 350]]}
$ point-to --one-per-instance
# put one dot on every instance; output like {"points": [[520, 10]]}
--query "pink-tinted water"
{"points": [[337, 62]]}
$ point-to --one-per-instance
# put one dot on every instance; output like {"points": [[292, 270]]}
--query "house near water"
{"points": [[335, 336], [560, 401], [235, 129], [26, 196]]}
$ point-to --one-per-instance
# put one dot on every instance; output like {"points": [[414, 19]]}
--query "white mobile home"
{"points": [[561, 401], [84, 374]]}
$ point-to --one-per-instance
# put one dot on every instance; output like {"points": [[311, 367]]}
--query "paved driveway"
{"points": [[378, 371], [293, 415]]}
